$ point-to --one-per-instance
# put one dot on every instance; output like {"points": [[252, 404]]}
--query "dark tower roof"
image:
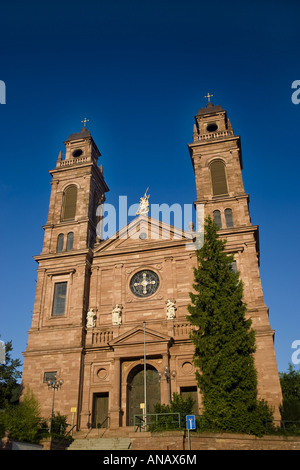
{"points": [[210, 109], [79, 135]]}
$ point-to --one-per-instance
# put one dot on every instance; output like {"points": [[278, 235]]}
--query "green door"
{"points": [[100, 410]]}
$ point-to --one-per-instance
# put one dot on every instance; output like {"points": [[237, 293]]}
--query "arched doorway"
{"points": [[135, 391]]}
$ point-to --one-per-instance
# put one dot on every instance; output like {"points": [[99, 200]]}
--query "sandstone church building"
{"points": [[108, 313]]}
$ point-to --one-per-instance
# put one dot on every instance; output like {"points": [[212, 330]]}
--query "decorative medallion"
{"points": [[187, 368], [102, 373]]}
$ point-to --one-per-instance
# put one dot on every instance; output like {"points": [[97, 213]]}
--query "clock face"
{"points": [[144, 283]]}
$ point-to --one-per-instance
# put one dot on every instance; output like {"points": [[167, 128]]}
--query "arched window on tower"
{"points": [[70, 238], [218, 178], [69, 203], [228, 218], [60, 243], [217, 218]]}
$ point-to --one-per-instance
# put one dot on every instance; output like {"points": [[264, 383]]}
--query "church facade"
{"points": [[109, 317]]}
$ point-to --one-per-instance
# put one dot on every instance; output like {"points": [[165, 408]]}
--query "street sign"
{"points": [[190, 422]]}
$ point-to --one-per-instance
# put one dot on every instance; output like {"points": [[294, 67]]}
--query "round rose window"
{"points": [[144, 283]]}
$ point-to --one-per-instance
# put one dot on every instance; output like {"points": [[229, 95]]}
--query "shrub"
{"points": [[168, 414], [23, 421]]}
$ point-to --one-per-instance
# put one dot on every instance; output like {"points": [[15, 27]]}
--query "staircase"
{"points": [[104, 439], [105, 443]]}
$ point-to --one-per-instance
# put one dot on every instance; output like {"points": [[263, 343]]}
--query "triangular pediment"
{"points": [[138, 336], [144, 231]]}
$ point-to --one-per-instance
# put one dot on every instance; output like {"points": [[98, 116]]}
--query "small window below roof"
{"points": [[228, 218], [77, 153], [70, 238], [217, 218], [212, 127], [60, 243]]}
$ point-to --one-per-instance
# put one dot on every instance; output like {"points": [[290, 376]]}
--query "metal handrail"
{"points": [[64, 437], [157, 415], [138, 426], [100, 425]]}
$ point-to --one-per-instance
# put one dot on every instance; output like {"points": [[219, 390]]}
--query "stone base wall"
{"points": [[208, 441]]}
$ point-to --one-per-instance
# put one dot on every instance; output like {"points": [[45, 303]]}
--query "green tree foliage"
{"points": [[23, 421], [290, 407], [168, 418], [224, 343], [59, 425], [9, 375]]}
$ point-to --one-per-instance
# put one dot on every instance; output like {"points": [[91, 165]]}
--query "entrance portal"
{"points": [[135, 388]]}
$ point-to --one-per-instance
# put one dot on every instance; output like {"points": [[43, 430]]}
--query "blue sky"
{"points": [[139, 71]]}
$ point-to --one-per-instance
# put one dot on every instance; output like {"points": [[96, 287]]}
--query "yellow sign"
{"points": [[73, 410], [142, 406]]}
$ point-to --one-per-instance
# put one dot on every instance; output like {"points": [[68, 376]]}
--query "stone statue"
{"points": [[171, 309], [91, 319], [144, 204], [117, 315]]}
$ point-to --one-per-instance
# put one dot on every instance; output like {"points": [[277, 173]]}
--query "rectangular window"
{"points": [[49, 376], [59, 298], [186, 392]]}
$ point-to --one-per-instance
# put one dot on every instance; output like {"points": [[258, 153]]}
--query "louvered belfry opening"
{"points": [[218, 178], [69, 204]]}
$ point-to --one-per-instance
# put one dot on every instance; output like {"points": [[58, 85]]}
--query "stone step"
{"points": [[109, 443], [104, 432]]}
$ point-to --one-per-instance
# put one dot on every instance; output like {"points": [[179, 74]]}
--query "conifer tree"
{"points": [[224, 343]]}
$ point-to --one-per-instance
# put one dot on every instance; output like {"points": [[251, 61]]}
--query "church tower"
{"points": [[78, 187], [217, 162], [56, 338]]}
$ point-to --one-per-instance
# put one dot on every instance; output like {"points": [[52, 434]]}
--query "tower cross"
{"points": [[85, 121], [208, 96]]}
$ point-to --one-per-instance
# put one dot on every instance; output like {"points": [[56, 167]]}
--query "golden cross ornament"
{"points": [[208, 96], [85, 121]]}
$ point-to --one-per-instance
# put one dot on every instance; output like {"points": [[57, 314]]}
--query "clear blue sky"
{"points": [[139, 70]]}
